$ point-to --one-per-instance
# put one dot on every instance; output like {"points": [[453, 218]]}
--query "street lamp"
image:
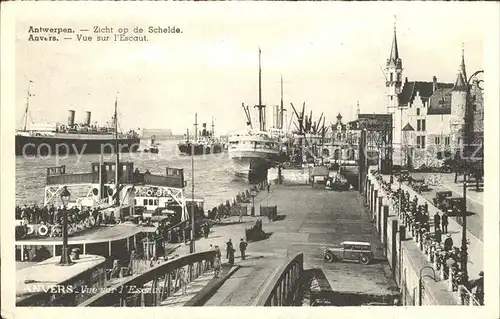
{"points": [[253, 194], [65, 259], [466, 143]]}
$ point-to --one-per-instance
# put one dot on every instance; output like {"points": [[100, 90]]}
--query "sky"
{"points": [[330, 56]]}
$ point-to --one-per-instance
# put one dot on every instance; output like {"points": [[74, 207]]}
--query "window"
{"points": [[145, 202], [338, 136], [447, 140], [418, 126], [436, 140], [422, 138], [423, 125], [418, 111], [157, 202], [418, 141], [390, 77], [151, 202], [391, 97]]}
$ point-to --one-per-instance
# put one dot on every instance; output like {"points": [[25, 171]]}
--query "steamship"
{"points": [[205, 143], [73, 138], [253, 151]]}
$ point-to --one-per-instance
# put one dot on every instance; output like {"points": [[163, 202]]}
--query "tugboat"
{"points": [[153, 147], [206, 143]]}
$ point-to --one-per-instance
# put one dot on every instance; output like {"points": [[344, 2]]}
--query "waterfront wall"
{"points": [[290, 176], [419, 282]]}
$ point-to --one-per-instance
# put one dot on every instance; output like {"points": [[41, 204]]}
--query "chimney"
{"points": [[406, 79], [71, 117], [87, 118], [434, 84]]}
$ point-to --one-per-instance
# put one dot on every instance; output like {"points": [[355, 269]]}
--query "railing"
{"points": [[81, 178], [467, 297], [150, 288], [283, 288], [109, 177]]}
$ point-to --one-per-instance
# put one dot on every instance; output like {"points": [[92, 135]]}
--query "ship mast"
{"points": [[195, 127], [280, 119], [262, 114], [117, 164], [27, 106]]}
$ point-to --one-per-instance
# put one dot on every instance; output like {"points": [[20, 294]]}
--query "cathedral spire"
{"points": [[394, 56], [462, 64]]}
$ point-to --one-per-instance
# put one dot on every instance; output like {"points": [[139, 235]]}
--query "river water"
{"points": [[214, 179]]}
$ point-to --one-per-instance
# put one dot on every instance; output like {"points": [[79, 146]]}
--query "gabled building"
{"points": [[435, 110]]}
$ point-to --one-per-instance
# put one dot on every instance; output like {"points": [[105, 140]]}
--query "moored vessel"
{"points": [[205, 143], [72, 137], [253, 151]]}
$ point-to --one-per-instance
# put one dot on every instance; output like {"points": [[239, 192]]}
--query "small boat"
{"points": [[153, 147]]}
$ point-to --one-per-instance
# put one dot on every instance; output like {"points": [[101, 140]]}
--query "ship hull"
{"points": [[200, 149], [47, 145], [251, 166]]}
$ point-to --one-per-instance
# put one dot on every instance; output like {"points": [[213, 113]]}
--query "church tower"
{"points": [[394, 74], [458, 105], [393, 77]]}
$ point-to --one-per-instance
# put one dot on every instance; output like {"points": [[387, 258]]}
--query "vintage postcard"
{"points": [[337, 158]]}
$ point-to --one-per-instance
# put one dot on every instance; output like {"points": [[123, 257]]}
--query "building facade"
{"points": [[429, 116]]}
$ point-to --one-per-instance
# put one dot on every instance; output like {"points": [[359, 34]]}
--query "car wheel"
{"points": [[364, 260], [328, 257]]}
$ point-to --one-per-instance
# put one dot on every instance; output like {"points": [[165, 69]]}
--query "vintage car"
{"points": [[438, 201], [453, 205], [351, 251]]}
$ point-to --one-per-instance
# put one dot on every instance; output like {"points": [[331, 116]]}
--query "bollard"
{"points": [[442, 273]]}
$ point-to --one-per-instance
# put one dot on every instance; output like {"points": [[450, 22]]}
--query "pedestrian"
{"points": [[437, 234], [479, 285], [240, 218], [243, 248], [448, 243], [206, 230], [183, 279], [229, 248], [444, 223], [231, 255], [437, 220], [268, 187], [217, 264]]}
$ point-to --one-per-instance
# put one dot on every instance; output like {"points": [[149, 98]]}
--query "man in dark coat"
{"points": [[444, 223], [229, 248], [448, 243], [243, 247], [437, 234], [437, 220]]}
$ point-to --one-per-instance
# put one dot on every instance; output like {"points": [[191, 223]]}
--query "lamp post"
{"points": [[253, 194], [65, 258], [466, 142]]}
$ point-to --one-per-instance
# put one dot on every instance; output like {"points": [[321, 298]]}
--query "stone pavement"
{"points": [[475, 248], [310, 219]]}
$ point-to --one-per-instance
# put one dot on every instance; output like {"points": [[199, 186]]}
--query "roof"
{"points": [[440, 102], [460, 82], [48, 274], [408, 127], [94, 235], [425, 90], [394, 56]]}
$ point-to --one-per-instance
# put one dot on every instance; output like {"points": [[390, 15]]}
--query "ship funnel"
{"points": [[87, 118], [71, 117]]}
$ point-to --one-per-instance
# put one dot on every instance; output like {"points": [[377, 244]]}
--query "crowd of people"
{"points": [[52, 217], [443, 253]]}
